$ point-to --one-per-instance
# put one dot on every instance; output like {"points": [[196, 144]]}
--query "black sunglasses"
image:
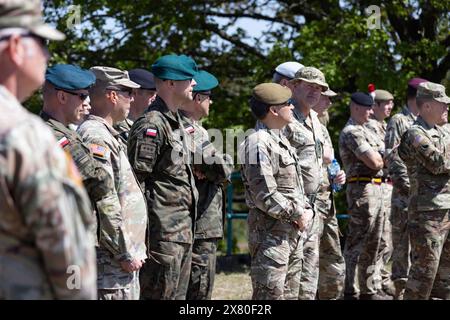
{"points": [[129, 91], [83, 96]]}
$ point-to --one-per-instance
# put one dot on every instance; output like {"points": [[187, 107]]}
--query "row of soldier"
{"points": [[158, 216]]}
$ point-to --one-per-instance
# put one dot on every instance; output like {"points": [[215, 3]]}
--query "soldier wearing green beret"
{"points": [[425, 148], [211, 169], [159, 155], [279, 210]]}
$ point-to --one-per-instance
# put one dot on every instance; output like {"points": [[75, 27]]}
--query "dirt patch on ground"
{"points": [[232, 286]]}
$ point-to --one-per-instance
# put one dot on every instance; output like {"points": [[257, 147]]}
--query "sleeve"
{"points": [[397, 168], [216, 166], [263, 188], [357, 143]]}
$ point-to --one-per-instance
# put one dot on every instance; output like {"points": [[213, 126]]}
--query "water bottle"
{"points": [[333, 170]]}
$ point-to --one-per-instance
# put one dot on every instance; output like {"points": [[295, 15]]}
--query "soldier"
{"points": [[384, 102], [395, 129], [331, 260], [279, 210], [158, 153], [306, 136], [426, 147], [285, 72], [122, 214], [46, 249], [65, 101], [142, 98], [211, 171]]}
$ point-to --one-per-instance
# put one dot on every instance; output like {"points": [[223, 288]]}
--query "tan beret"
{"points": [[271, 93]]}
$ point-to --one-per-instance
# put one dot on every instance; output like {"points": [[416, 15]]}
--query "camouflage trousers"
{"points": [[362, 245], [203, 269], [309, 278], [331, 260], [165, 274], [130, 293], [429, 276], [276, 261], [385, 251], [401, 261]]}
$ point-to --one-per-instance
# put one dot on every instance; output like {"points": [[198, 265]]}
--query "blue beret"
{"points": [[174, 67], [205, 81], [69, 77], [142, 77], [362, 98]]}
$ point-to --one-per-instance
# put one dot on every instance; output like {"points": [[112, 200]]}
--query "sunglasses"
{"points": [[128, 91], [82, 96]]}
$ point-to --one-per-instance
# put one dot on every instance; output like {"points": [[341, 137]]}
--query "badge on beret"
{"points": [[190, 129], [151, 133], [63, 142], [98, 151]]}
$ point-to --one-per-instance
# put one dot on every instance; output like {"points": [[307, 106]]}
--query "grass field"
{"points": [[232, 286]]}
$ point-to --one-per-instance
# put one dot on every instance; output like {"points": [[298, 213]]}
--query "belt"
{"points": [[365, 179], [387, 180]]}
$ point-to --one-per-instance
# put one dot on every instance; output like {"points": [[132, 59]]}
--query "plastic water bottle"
{"points": [[333, 170]]}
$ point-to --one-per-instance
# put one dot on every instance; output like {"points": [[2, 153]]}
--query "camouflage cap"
{"points": [[311, 75], [431, 90], [383, 95], [26, 14], [113, 76], [271, 93]]}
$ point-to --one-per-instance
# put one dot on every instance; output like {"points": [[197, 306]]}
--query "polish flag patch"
{"points": [[63, 142], [151, 132], [190, 129]]}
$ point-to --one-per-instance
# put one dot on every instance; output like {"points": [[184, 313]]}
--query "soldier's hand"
{"points": [[340, 178], [200, 175], [305, 219], [131, 265]]}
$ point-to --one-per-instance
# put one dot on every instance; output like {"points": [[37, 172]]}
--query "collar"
{"points": [[113, 131], [55, 123]]}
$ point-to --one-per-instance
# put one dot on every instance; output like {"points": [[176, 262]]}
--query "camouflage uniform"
{"points": [[95, 179], [159, 156], [331, 260], [427, 149], [306, 136], [46, 248], [365, 206], [122, 214], [208, 223], [123, 128], [275, 197], [396, 127], [379, 129]]}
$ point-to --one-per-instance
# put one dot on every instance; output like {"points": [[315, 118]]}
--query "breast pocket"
{"points": [[286, 172]]}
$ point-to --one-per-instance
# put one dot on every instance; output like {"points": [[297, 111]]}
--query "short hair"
{"points": [[420, 101], [259, 109], [277, 77], [411, 92]]}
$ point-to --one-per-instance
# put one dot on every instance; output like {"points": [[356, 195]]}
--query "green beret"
{"points": [[174, 67], [69, 77], [205, 81], [383, 95], [271, 93]]}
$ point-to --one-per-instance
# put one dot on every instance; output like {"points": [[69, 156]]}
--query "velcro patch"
{"points": [[63, 142], [99, 151], [190, 129], [147, 151], [418, 140], [151, 133]]}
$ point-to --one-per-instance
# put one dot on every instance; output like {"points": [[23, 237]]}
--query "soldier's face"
{"points": [[124, 99], [323, 105], [285, 113], [183, 90], [307, 93], [142, 99], [78, 107], [439, 112], [204, 103], [383, 109]]}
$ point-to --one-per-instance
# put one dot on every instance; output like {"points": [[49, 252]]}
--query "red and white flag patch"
{"points": [[151, 133], [190, 129], [63, 142]]}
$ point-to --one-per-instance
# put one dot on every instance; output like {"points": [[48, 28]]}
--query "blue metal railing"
{"points": [[231, 215]]}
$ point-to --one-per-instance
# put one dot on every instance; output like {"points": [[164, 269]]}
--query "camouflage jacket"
{"points": [[428, 150], [217, 168], [378, 128], [158, 153], [355, 140], [122, 214], [306, 136], [272, 179], [396, 127], [324, 192], [46, 245], [123, 128]]}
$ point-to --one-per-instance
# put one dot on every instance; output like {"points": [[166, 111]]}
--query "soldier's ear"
{"points": [[61, 96]]}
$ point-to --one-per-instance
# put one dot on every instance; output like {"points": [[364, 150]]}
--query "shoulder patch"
{"points": [[418, 140], [63, 142], [99, 151], [151, 132]]}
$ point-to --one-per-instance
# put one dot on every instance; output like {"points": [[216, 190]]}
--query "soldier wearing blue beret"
{"points": [[159, 154]]}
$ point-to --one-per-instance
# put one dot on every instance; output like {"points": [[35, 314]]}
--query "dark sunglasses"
{"points": [[128, 91], [82, 96]]}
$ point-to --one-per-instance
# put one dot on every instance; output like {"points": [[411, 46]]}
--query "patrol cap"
{"points": [[205, 81], [414, 82], [431, 90], [175, 67], [27, 14], [112, 76], [69, 77], [383, 95], [271, 93], [311, 75], [288, 69], [362, 98], [143, 78], [329, 93]]}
